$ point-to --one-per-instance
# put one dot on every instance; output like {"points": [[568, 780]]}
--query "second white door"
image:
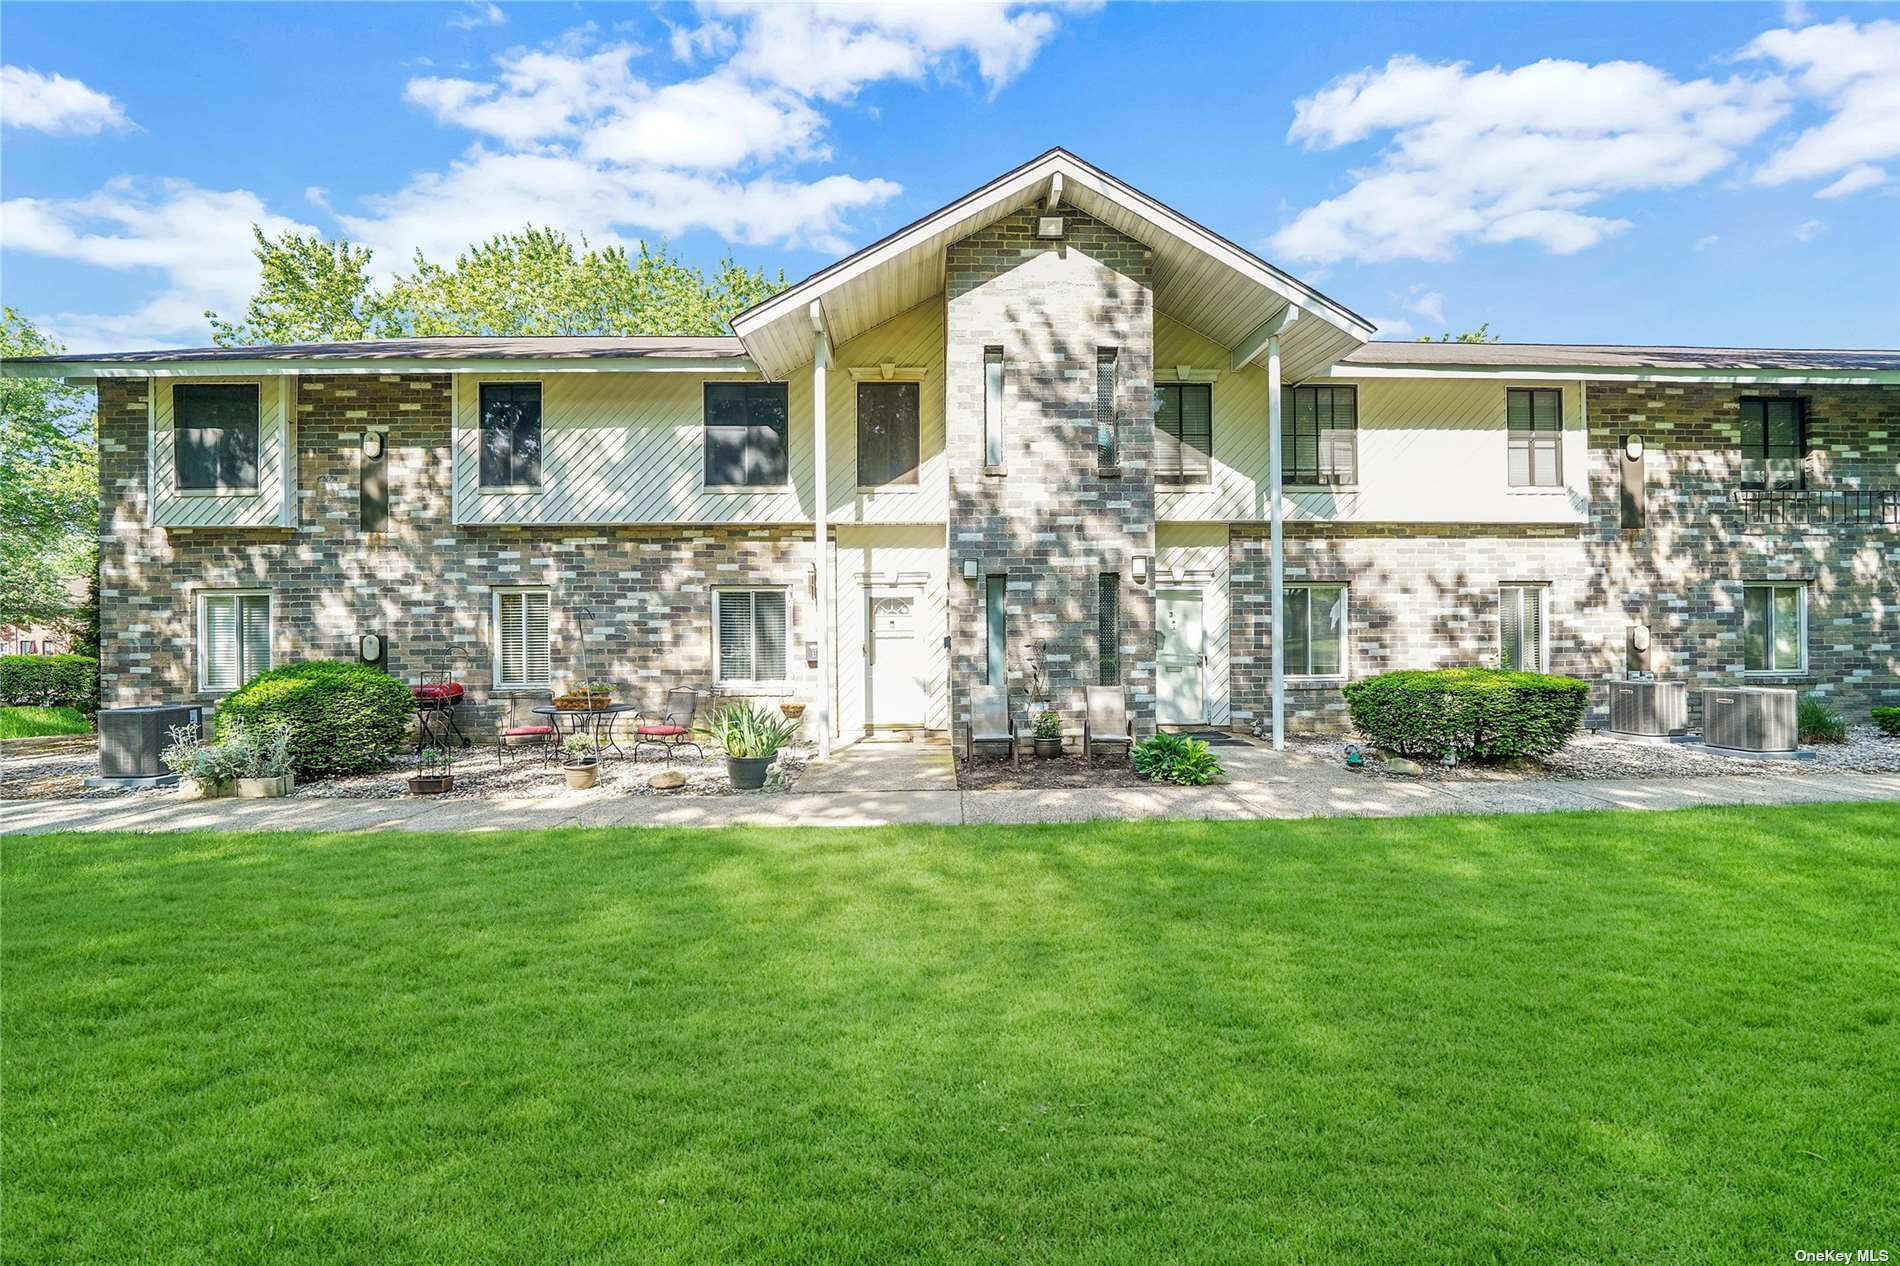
{"points": [[1180, 658], [894, 687]]}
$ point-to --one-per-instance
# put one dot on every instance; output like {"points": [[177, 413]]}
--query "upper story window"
{"points": [[234, 638], [992, 406], [521, 639], [1319, 436], [1774, 628], [1315, 630], [887, 433], [1773, 443], [746, 425], [1107, 415], [1521, 642], [214, 436], [1534, 417], [511, 434], [752, 635], [1184, 433]]}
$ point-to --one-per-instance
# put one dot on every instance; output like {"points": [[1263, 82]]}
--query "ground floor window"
{"points": [[521, 639], [1521, 628], [1774, 628], [234, 636], [996, 627], [752, 635], [1315, 622], [1108, 612]]}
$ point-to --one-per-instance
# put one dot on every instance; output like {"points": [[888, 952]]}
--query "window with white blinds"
{"points": [[1521, 627], [521, 639], [1184, 433], [751, 634], [1534, 417], [233, 638]]}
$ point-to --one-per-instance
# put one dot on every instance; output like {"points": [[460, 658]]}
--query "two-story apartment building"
{"points": [[1028, 439]]}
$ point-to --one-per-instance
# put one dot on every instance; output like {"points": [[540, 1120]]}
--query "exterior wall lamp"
{"points": [[1633, 447], [372, 444], [1139, 569], [970, 569]]}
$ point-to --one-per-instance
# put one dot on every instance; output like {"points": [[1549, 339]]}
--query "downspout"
{"points": [[821, 528]]}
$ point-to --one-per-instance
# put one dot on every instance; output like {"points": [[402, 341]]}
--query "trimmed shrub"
{"points": [[1478, 714], [345, 717], [1171, 758], [51, 681], [1817, 722], [1888, 719]]}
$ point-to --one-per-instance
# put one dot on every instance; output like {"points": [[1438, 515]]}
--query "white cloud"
{"points": [[1707, 240], [540, 95], [1394, 327], [197, 240], [1855, 72], [56, 104], [1807, 230], [1511, 155], [1429, 304], [477, 15]]}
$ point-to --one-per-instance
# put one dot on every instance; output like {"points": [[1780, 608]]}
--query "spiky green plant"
{"points": [[748, 732]]}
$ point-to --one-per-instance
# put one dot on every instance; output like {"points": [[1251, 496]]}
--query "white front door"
{"points": [[1180, 658], [894, 667]]}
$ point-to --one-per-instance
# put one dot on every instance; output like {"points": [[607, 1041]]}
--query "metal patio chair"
{"points": [[673, 729], [990, 721], [1106, 723]]}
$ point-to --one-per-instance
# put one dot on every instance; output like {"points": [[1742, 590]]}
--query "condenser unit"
{"points": [[1653, 709], [1750, 719], [131, 739]]}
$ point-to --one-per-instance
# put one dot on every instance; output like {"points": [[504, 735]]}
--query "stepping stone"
{"points": [[1400, 765], [667, 780]]}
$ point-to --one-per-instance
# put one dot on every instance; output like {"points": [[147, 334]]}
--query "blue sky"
{"points": [[1699, 174]]}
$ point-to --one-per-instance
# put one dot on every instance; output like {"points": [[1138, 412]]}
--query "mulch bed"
{"points": [[990, 773]]}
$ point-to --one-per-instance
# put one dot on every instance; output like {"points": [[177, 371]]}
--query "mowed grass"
{"points": [[1574, 1038], [25, 722]]}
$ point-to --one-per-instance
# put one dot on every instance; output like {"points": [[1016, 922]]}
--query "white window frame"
{"points": [[1345, 637], [1542, 590], [270, 635], [494, 634], [1801, 587], [738, 685]]}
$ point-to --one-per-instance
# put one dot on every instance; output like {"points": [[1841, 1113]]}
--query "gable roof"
{"points": [[1200, 279], [435, 355]]}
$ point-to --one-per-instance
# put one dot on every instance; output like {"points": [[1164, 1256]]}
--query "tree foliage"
{"points": [[537, 282], [1482, 334], [49, 487]]}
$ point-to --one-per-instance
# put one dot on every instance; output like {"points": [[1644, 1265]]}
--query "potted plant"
{"points": [[435, 773], [751, 738], [261, 755], [200, 766], [1048, 734], [580, 762], [792, 709]]}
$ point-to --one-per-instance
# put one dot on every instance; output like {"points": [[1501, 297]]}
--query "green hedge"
{"points": [[1480, 714], [50, 681], [1888, 719], [345, 717]]}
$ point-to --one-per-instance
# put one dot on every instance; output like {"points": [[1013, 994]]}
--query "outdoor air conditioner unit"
{"points": [[1749, 719], [1655, 709], [130, 740]]}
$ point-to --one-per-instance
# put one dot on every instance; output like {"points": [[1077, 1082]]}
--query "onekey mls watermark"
{"points": [[1847, 1255]]}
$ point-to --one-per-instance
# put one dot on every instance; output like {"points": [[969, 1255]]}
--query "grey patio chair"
{"points": [[1106, 723], [990, 721]]}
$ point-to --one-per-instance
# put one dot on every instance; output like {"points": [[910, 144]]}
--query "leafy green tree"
{"points": [[49, 486], [309, 290], [1482, 334]]}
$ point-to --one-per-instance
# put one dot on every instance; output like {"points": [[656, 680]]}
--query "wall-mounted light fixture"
{"points": [[1639, 636], [369, 648], [1049, 226], [372, 444], [970, 569], [1633, 447], [1139, 569]]}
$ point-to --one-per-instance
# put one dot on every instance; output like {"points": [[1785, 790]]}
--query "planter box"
{"points": [[430, 784], [748, 773], [581, 777], [192, 789], [264, 788]]}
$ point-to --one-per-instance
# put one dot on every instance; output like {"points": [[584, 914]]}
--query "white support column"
{"points": [[821, 530], [1276, 544]]}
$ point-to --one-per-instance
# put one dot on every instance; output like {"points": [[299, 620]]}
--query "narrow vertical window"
{"points": [[1535, 425], [1108, 611], [996, 625], [992, 406], [1773, 443], [1107, 418], [1521, 643], [511, 434], [522, 659], [234, 638], [887, 433], [1774, 628]]}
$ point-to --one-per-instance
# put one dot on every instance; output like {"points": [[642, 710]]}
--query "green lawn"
{"points": [[35, 722], [1565, 1038]]}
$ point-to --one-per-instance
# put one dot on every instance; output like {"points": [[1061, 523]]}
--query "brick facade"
{"points": [[1049, 518]]}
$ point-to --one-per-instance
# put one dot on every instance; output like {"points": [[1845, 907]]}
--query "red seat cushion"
{"points": [[437, 690], [527, 731], [660, 731]]}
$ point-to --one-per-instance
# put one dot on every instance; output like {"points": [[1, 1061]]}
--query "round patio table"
{"points": [[582, 720]]}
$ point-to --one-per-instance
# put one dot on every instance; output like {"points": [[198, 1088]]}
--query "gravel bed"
{"points": [[61, 776], [1595, 756]]}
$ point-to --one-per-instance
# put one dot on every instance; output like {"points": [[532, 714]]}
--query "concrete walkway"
{"points": [[866, 790]]}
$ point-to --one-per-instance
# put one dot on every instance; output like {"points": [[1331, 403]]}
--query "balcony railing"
{"points": [[1865, 507]]}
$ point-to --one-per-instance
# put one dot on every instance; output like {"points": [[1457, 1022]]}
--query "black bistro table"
{"points": [[595, 721]]}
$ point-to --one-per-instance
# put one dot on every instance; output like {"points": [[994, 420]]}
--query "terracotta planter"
{"points": [[1048, 748], [581, 777], [791, 711], [747, 772], [264, 788], [430, 784]]}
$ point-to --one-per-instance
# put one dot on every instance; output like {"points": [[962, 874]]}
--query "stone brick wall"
{"points": [[1050, 518], [424, 584], [1427, 597]]}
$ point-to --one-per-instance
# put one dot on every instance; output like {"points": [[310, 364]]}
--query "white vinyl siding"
{"points": [[1534, 418], [1774, 628], [1315, 630], [522, 659], [234, 638], [751, 635], [1521, 634]]}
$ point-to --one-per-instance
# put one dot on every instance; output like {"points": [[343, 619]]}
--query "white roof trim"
{"points": [[432, 365], [1624, 373]]}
